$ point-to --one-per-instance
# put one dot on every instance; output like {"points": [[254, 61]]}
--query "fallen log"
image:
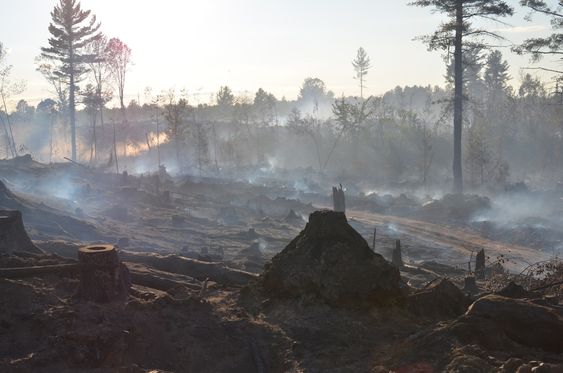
{"points": [[216, 272], [139, 276], [155, 279], [55, 269], [23, 272], [174, 264]]}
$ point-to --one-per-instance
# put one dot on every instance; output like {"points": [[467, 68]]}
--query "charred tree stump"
{"points": [[480, 264], [103, 278], [397, 257], [338, 199], [13, 236], [470, 285]]}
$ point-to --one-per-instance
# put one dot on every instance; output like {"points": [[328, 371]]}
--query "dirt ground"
{"points": [[188, 322]]}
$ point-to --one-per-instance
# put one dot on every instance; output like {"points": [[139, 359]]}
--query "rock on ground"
{"points": [[440, 299]]}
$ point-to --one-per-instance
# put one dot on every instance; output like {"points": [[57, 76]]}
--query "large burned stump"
{"points": [[103, 277], [13, 236], [330, 261]]}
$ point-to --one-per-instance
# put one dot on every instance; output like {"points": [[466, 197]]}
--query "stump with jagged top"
{"points": [[332, 262], [103, 278], [338, 199]]}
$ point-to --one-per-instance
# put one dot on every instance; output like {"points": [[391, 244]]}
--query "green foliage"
{"points": [[225, 97], [71, 32], [265, 106], [496, 75], [361, 66], [443, 38], [551, 45], [313, 89], [349, 116]]}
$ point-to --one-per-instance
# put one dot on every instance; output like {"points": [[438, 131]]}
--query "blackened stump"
{"points": [[480, 264], [397, 258], [338, 199], [470, 285], [13, 236]]}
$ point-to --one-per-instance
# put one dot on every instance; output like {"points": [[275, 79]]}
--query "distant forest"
{"points": [[402, 137]]}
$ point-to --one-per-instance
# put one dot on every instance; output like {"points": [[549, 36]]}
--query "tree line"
{"points": [[363, 131]]}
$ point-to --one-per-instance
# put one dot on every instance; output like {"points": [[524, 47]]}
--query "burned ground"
{"points": [[201, 301]]}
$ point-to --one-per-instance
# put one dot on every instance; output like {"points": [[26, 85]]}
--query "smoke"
{"points": [[523, 208]]}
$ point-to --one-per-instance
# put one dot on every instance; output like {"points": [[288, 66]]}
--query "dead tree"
{"points": [[338, 199]]}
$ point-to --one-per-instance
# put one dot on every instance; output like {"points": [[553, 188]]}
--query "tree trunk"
{"points": [[480, 264], [115, 149], [215, 146], [102, 116], [338, 199], [11, 143], [458, 99], [318, 149], [397, 256], [72, 108], [93, 148], [51, 139]]}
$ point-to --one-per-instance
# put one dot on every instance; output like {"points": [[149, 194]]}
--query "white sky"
{"points": [[248, 44]]}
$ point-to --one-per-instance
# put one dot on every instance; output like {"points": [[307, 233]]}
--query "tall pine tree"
{"points": [[72, 30], [458, 32], [361, 66], [551, 45]]}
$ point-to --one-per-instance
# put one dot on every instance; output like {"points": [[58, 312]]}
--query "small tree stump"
{"points": [[103, 278], [13, 236], [480, 264], [470, 285], [338, 199], [397, 258]]}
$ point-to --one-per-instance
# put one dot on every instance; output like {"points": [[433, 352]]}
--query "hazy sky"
{"points": [[248, 44]]}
